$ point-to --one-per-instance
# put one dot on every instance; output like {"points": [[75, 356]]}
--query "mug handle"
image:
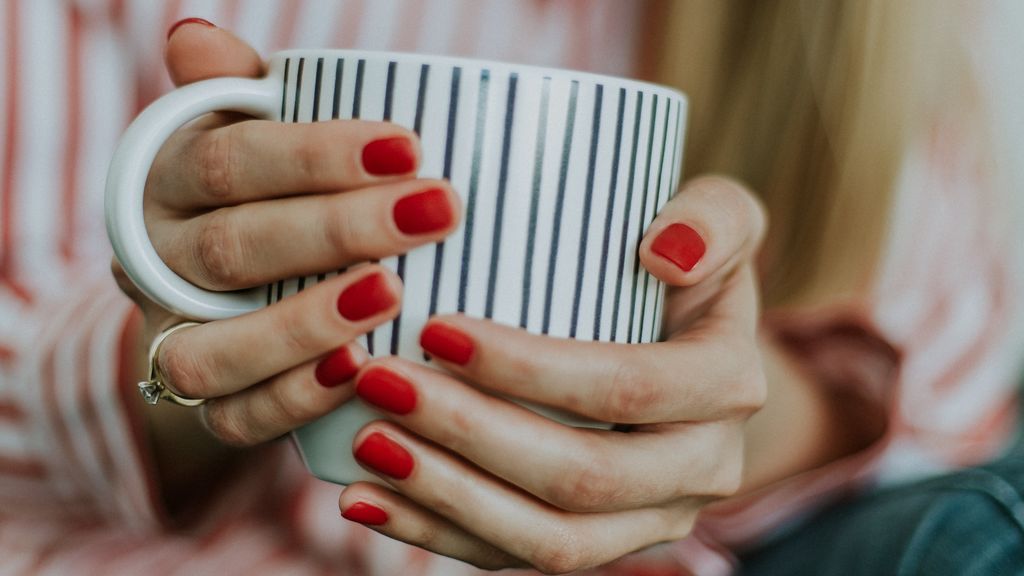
{"points": [[126, 181]]}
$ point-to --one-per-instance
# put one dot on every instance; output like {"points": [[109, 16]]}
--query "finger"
{"points": [[398, 517], [225, 356], [552, 540], [261, 242], [609, 382], [197, 50], [260, 159], [581, 470], [708, 227], [286, 401]]}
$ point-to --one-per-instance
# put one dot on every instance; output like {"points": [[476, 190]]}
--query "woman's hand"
{"points": [[479, 478], [232, 203]]}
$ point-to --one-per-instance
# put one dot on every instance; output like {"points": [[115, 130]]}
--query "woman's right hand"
{"points": [[233, 202]]}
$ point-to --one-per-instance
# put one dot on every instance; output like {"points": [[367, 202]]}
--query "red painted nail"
{"points": [[385, 456], [680, 244], [447, 343], [365, 513], [389, 156], [184, 21], [423, 212], [365, 298], [336, 369], [385, 389]]}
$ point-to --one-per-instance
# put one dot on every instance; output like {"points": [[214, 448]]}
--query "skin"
{"points": [[716, 411]]}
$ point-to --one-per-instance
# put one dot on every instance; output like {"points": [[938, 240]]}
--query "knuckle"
{"points": [[727, 475], [751, 384], [226, 424], [743, 387], [344, 230], [679, 524], [218, 253], [291, 406], [589, 485], [183, 370], [633, 393], [217, 161], [297, 334], [559, 552], [315, 158]]}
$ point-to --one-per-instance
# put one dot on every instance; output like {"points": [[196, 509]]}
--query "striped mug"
{"points": [[560, 173]]}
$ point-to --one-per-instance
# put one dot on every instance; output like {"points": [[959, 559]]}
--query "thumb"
{"points": [[706, 230], [197, 50]]}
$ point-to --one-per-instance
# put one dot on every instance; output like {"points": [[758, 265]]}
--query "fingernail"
{"points": [[364, 513], [184, 21], [368, 296], [680, 244], [387, 390], [336, 369], [389, 156], [385, 456], [447, 343], [423, 212]]}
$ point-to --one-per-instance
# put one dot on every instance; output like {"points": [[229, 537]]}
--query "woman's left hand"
{"points": [[479, 478]]}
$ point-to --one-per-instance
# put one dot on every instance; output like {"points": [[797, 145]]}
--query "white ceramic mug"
{"points": [[560, 173]]}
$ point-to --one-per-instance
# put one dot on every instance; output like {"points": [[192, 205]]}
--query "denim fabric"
{"points": [[968, 523]]}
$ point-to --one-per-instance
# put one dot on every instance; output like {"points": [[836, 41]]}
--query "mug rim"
{"points": [[502, 65]]}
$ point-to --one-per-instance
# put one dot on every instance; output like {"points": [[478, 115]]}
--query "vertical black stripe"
{"points": [[449, 145], [581, 256], [654, 210], [284, 90], [627, 211], [357, 96], [321, 277], [280, 290], [298, 89], [643, 216], [556, 231], [339, 75], [417, 124], [671, 190], [608, 213], [270, 294], [317, 87], [389, 97], [421, 98], [474, 180], [538, 171], [678, 147], [389, 91], [499, 209]]}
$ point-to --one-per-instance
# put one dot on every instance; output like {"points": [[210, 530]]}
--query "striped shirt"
{"points": [[937, 349]]}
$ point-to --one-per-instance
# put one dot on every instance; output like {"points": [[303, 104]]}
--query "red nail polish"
{"points": [[385, 389], [447, 343], [385, 456], [389, 156], [184, 21], [423, 212], [680, 244], [364, 513], [366, 297], [336, 369]]}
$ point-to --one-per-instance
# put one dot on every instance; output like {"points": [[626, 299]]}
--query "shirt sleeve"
{"points": [[71, 442]]}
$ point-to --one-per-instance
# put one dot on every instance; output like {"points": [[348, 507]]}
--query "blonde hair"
{"points": [[812, 103]]}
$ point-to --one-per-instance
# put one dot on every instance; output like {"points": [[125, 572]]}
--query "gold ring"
{"points": [[154, 389]]}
